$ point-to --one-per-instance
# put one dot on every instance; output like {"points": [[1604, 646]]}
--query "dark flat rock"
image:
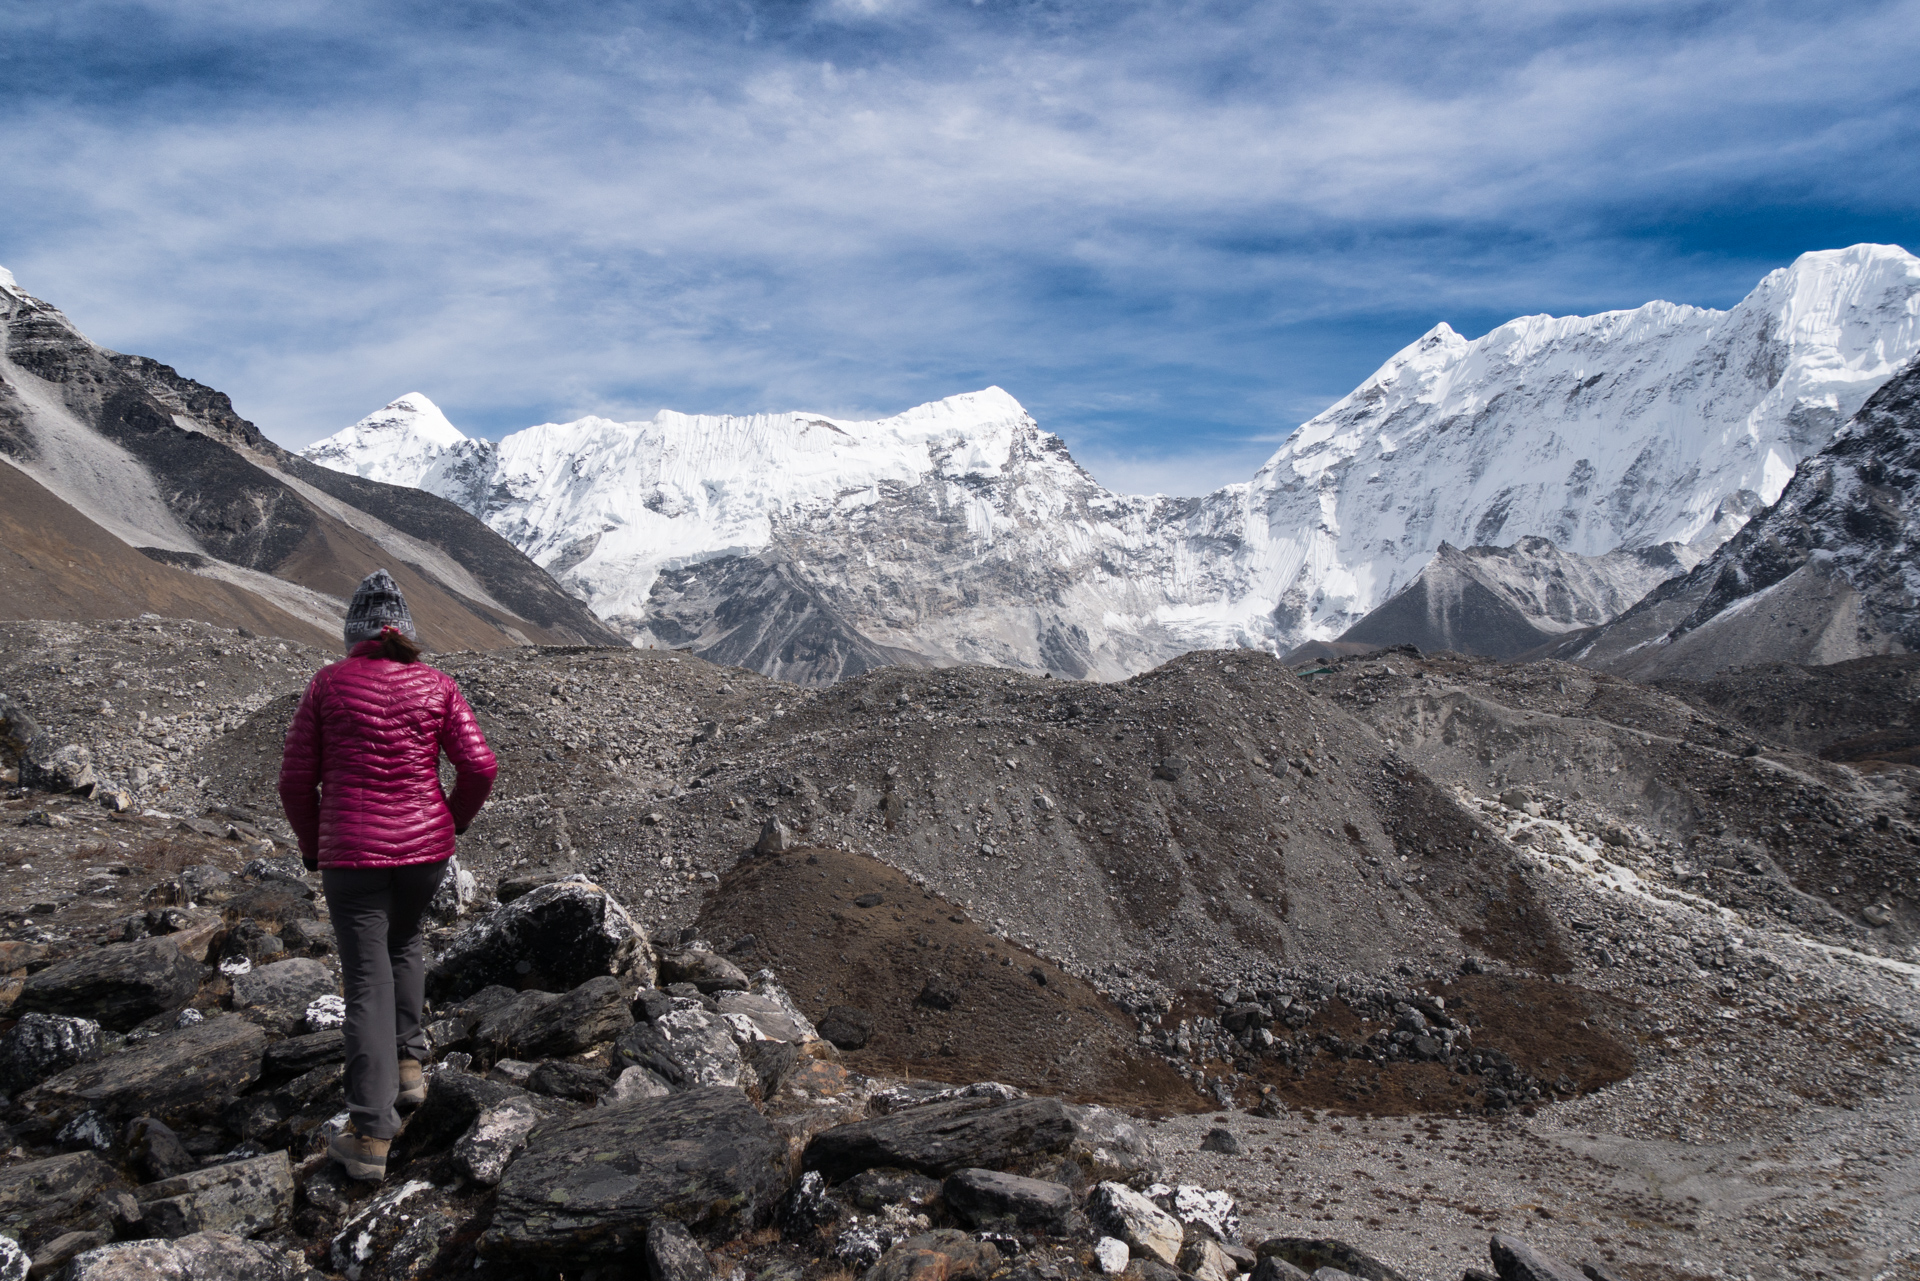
{"points": [[589, 1186], [178, 1077], [941, 1138], [118, 985], [991, 1199]]}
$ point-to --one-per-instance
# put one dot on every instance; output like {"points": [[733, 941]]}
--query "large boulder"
{"points": [[1149, 1231], [941, 1138], [179, 1077], [589, 1186], [454, 1099], [247, 1198], [204, 1256], [40, 1199], [539, 1025], [687, 1047], [553, 938], [41, 1044], [1110, 1145], [118, 986], [766, 1015], [50, 766]]}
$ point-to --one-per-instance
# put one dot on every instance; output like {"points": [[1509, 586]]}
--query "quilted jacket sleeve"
{"points": [[300, 777], [474, 767]]}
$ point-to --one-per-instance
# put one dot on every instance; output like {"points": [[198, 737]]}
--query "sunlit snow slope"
{"points": [[959, 531]]}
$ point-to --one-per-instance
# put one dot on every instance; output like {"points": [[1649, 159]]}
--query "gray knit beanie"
{"points": [[377, 604]]}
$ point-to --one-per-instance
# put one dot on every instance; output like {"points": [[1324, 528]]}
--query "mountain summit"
{"points": [[960, 531]]}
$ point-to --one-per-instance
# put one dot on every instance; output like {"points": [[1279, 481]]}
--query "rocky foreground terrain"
{"points": [[1402, 966]]}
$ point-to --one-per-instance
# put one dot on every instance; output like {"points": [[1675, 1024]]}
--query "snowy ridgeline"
{"points": [[960, 530]]}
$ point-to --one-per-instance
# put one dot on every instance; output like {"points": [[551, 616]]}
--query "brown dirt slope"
{"points": [[55, 563], [1014, 1017]]}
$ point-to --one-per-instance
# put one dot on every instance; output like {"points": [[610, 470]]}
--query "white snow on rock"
{"points": [[962, 531]]}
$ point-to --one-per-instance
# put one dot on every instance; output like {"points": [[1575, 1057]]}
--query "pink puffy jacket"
{"points": [[360, 779]]}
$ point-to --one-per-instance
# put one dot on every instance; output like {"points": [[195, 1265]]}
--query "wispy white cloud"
{"points": [[1173, 229]]}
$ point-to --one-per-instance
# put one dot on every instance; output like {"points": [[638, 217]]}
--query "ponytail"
{"points": [[397, 645]]}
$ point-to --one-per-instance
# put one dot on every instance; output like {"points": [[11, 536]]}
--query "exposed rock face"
{"points": [[591, 1185], [553, 938], [1824, 575], [1505, 601], [133, 489], [1515, 1260], [118, 985]]}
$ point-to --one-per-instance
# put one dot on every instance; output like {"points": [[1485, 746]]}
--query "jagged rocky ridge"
{"points": [[1827, 573], [961, 532], [1506, 601], [126, 488]]}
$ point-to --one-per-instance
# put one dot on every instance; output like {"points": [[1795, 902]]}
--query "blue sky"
{"points": [[1174, 231]]}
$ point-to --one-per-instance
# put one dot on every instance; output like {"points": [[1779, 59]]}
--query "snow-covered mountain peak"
{"points": [[8, 283], [958, 529]]}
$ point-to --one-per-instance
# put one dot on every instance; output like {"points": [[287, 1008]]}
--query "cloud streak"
{"points": [[1173, 230]]}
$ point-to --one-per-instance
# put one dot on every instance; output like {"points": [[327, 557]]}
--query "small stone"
{"points": [[1222, 1140], [673, 1254], [707, 972], [775, 838], [154, 1151], [326, 1013], [496, 1137], [1110, 1255], [848, 1027], [635, 1083], [56, 1253], [46, 767], [1203, 1258], [397, 1236]]}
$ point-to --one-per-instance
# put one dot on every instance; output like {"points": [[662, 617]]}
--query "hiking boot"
{"points": [[413, 1085], [361, 1157]]}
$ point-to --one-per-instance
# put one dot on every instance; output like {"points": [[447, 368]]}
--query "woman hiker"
{"points": [[360, 785]]}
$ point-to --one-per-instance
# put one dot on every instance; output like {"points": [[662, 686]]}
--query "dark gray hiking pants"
{"points": [[377, 915]]}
